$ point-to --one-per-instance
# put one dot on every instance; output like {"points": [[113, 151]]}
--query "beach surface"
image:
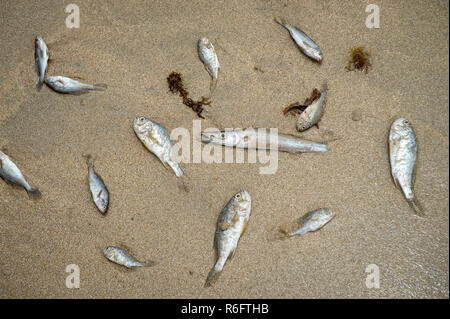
{"points": [[133, 46]]}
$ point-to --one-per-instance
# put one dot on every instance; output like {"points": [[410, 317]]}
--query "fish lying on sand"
{"points": [[64, 84], [41, 56], [306, 45], [99, 192], [403, 155], [11, 173], [208, 55], [231, 225], [121, 257], [157, 140], [260, 138], [313, 113], [309, 222]]}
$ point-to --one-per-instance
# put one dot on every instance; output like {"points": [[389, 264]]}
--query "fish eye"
{"points": [[238, 196], [141, 119], [222, 135]]}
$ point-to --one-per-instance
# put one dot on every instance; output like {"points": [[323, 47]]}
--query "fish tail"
{"points": [[39, 85], [34, 193], [416, 206], [176, 168], [324, 87], [280, 21], [212, 86], [89, 160], [212, 276], [148, 264], [320, 147], [99, 86]]}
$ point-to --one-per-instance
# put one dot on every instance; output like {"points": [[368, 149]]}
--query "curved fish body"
{"points": [[11, 173], [41, 56], [306, 45], [64, 84], [231, 225], [157, 140], [403, 155], [313, 221], [314, 112], [99, 192], [262, 139], [120, 256], [208, 55]]}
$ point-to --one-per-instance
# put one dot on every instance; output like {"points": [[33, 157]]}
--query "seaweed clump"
{"points": [[176, 86], [359, 60], [299, 108]]}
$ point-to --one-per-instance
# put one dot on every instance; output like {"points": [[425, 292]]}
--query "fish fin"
{"points": [[176, 168], [39, 85], [396, 183], [230, 257], [1, 163], [416, 206], [99, 193], [34, 193], [243, 229], [100, 87], [212, 277]]}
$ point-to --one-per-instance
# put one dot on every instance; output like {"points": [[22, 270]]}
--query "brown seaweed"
{"points": [[359, 60], [299, 108], [176, 85]]}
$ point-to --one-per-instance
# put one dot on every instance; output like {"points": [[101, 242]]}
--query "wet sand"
{"points": [[133, 46]]}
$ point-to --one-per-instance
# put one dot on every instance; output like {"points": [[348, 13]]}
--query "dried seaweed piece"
{"points": [[299, 108], [359, 60], [175, 82]]}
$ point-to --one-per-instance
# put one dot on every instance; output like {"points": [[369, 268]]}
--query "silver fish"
{"points": [[306, 45], [64, 84], [99, 192], [312, 221], [41, 56], [260, 138], [313, 113], [11, 173], [121, 257], [402, 155], [208, 55], [157, 140], [231, 225]]}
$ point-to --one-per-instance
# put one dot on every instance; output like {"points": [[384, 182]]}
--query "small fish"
{"points": [[11, 173], [260, 138], [231, 225], [41, 56], [402, 155], [100, 194], [63, 84], [306, 45], [312, 221], [313, 113], [209, 58], [157, 140], [121, 257]]}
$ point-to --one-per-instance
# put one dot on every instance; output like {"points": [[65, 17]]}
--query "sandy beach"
{"points": [[133, 46]]}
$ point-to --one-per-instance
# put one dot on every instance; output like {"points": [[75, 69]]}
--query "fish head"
{"points": [[102, 204], [303, 123], [227, 138], [141, 124], [55, 81], [204, 43], [402, 127], [242, 200], [326, 214], [109, 252]]}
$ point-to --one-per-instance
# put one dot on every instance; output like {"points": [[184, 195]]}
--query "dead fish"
{"points": [[99, 192], [11, 173], [313, 113], [231, 225], [157, 140], [312, 221], [403, 155], [119, 256], [306, 45], [260, 138], [208, 55], [64, 84], [41, 56]]}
